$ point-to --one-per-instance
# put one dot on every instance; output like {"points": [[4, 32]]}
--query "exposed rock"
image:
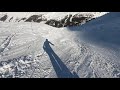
{"points": [[36, 18], [4, 18], [70, 20]]}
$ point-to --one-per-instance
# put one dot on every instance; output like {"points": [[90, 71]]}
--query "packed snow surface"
{"points": [[37, 50]]}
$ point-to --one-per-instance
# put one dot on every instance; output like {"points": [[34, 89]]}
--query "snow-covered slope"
{"points": [[91, 50]]}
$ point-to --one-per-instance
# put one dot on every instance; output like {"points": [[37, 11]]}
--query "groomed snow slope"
{"points": [[87, 51]]}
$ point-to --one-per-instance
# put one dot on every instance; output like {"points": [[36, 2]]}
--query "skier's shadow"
{"points": [[60, 68]]}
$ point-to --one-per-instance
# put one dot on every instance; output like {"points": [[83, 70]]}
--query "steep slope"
{"points": [[102, 35]]}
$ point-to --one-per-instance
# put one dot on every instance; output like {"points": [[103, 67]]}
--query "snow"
{"points": [[91, 50]]}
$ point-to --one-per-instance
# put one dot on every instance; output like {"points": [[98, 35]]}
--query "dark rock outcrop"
{"points": [[3, 18], [36, 18], [10, 19]]}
